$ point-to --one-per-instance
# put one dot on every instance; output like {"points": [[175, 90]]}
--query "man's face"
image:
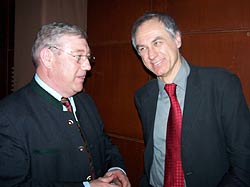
{"points": [[158, 49], [67, 73]]}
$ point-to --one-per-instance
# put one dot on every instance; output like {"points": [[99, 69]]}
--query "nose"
{"points": [[86, 65], [152, 53]]}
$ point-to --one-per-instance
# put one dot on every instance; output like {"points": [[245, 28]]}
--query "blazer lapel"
{"points": [[150, 102], [192, 104]]}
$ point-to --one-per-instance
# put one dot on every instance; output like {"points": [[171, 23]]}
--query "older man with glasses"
{"points": [[51, 133]]}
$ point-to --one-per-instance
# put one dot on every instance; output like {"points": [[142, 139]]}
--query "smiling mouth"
{"points": [[157, 63]]}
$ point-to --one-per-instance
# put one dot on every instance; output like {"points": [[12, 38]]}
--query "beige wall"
{"points": [[29, 16]]}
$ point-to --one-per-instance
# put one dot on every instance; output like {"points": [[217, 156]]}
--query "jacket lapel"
{"points": [[150, 102], [192, 104]]}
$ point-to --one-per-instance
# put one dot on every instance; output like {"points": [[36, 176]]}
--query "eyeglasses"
{"points": [[78, 58]]}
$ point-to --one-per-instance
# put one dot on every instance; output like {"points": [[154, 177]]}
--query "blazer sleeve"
{"points": [[236, 123]]}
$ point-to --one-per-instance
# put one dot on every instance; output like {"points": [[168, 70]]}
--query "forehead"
{"points": [[148, 29], [74, 42]]}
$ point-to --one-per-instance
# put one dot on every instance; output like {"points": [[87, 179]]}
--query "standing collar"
{"points": [[52, 92]]}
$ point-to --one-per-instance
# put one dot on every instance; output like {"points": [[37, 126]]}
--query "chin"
{"points": [[78, 89]]}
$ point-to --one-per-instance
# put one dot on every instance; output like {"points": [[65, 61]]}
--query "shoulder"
{"points": [[211, 71], [214, 80], [15, 108], [216, 75], [16, 99]]}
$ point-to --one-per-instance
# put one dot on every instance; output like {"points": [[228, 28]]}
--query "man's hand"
{"points": [[105, 181], [120, 179]]}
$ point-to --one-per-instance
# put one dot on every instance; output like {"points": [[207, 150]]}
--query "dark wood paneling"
{"points": [[110, 21], [158, 5], [197, 15], [115, 76], [7, 20], [132, 150]]}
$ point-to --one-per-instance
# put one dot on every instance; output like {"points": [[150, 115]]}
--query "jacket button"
{"points": [[89, 178], [81, 148], [70, 122], [189, 173]]}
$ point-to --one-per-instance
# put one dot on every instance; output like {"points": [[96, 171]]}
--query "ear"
{"points": [[178, 39], [46, 57]]}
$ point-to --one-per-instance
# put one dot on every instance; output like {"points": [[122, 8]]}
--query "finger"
{"points": [[108, 174], [124, 181], [106, 179]]}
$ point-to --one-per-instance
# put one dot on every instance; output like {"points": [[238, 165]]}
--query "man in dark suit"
{"points": [[215, 128], [44, 143]]}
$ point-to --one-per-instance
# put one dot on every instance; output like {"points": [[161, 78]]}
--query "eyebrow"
{"points": [[157, 38], [138, 46], [81, 51]]}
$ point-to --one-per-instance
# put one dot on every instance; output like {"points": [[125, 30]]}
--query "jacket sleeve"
{"points": [[236, 124]]}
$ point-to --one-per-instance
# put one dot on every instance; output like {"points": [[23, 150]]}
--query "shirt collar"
{"points": [[181, 78]]}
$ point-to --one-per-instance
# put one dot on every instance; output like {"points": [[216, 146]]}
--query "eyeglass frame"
{"points": [[78, 58]]}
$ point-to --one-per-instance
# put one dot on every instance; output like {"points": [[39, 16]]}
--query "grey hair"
{"points": [[168, 22], [50, 34]]}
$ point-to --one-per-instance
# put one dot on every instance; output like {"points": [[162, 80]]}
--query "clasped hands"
{"points": [[113, 178]]}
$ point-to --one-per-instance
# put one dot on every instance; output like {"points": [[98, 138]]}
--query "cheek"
{"points": [[169, 53], [145, 59], [146, 62], [65, 74], [68, 68]]}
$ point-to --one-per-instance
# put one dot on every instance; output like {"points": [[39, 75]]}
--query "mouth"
{"points": [[157, 63], [81, 77]]}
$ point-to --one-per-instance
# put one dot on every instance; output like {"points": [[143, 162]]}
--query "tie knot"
{"points": [[65, 101], [170, 89]]}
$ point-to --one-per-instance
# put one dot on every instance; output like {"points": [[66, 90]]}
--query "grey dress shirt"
{"points": [[160, 124]]}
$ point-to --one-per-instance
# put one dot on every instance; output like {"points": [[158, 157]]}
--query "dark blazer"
{"points": [[39, 143], [215, 129]]}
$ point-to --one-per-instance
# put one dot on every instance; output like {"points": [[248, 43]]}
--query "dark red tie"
{"points": [[173, 166], [65, 101]]}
